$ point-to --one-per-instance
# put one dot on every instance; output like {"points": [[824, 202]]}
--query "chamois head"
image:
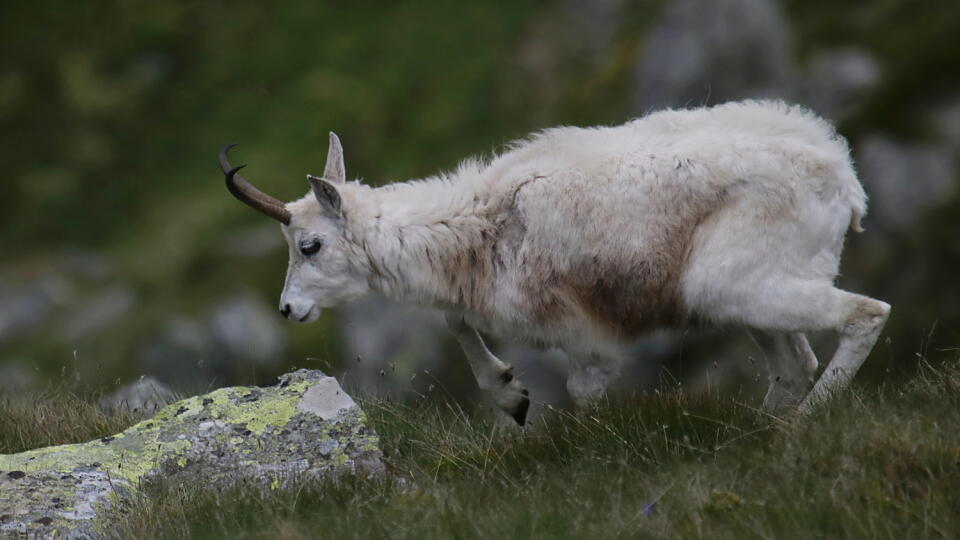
{"points": [[320, 274]]}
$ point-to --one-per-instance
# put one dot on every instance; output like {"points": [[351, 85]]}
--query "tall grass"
{"points": [[877, 463], [59, 415]]}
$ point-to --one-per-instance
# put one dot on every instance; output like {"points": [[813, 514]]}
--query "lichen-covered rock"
{"points": [[306, 426]]}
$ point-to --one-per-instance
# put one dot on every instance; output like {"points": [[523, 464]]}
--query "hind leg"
{"points": [[858, 334], [492, 374], [791, 367], [796, 305]]}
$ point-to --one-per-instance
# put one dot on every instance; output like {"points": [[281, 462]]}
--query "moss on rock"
{"points": [[304, 426]]}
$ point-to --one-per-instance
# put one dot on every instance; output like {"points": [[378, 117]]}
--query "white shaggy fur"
{"points": [[586, 238]]}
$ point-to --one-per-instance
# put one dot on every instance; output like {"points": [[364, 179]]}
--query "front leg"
{"points": [[491, 373]]}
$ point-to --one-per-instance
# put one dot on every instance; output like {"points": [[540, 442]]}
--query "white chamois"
{"points": [[585, 238]]}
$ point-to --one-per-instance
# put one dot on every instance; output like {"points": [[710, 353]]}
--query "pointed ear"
{"points": [[335, 172], [327, 195]]}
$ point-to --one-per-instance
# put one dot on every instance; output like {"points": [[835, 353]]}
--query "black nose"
{"points": [[285, 310]]}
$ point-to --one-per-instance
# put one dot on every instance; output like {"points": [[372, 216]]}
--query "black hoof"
{"points": [[520, 413]]}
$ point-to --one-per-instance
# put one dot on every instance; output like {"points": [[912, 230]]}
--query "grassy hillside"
{"points": [[879, 463]]}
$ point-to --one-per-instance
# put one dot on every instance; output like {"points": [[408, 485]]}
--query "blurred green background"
{"points": [[123, 255]]}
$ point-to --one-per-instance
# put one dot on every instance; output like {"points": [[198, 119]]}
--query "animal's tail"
{"points": [[855, 225], [856, 198]]}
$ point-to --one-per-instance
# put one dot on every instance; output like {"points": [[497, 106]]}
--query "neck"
{"points": [[428, 241]]}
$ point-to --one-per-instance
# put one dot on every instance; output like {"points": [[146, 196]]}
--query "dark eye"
{"points": [[309, 247]]}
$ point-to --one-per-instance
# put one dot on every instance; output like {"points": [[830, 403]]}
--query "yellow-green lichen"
{"points": [[273, 412], [136, 451], [229, 432]]}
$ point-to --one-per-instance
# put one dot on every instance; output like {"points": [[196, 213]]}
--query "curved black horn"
{"points": [[245, 191]]}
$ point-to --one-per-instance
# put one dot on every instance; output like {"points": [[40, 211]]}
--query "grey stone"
{"points": [[86, 264], [145, 394], [388, 343], [700, 52], [24, 307], [326, 400], [99, 311], [904, 179], [249, 330], [182, 353], [305, 427], [837, 81], [945, 118]]}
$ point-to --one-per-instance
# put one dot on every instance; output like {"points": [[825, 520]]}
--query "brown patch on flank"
{"points": [[630, 299], [629, 293]]}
